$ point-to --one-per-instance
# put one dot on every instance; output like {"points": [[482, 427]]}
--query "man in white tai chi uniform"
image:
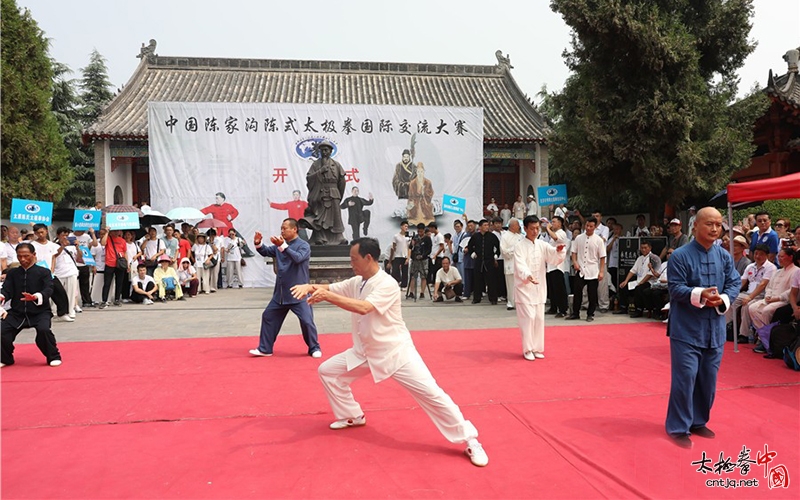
{"points": [[382, 346], [531, 256]]}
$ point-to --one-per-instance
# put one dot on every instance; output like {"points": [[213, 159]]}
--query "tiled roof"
{"points": [[785, 87], [508, 116]]}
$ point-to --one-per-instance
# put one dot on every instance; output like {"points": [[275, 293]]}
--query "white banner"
{"points": [[258, 155]]}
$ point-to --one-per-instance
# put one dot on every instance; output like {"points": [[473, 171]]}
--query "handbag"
{"points": [[122, 262], [243, 262]]}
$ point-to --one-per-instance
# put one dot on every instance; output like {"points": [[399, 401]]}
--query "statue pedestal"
{"points": [[329, 264]]}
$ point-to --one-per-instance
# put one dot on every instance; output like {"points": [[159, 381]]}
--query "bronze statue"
{"points": [[326, 183]]}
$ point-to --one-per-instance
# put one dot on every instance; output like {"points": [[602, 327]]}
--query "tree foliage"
{"points": [[34, 159], [646, 115], [66, 106], [95, 88]]}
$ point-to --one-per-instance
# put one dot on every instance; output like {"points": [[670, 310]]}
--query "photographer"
{"points": [[420, 251]]}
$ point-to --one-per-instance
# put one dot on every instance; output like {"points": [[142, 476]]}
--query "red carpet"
{"points": [[200, 419]]}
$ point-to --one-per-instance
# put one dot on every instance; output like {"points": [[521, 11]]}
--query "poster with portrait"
{"points": [[247, 163]]}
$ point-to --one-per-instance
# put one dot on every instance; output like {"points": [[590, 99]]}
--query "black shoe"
{"points": [[550, 312], [590, 318], [621, 311], [494, 303], [422, 295], [637, 314], [476, 301], [681, 440], [439, 299], [573, 316], [117, 303], [703, 432], [760, 349], [560, 315], [459, 299]]}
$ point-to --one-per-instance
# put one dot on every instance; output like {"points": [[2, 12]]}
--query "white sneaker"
{"points": [[78, 309], [476, 454], [538, 355], [72, 315], [2, 365], [66, 318], [147, 302], [316, 354], [529, 355], [349, 422], [256, 352], [55, 362]]}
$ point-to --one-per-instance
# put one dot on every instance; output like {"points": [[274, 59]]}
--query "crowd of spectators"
{"points": [[117, 268], [475, 261]]}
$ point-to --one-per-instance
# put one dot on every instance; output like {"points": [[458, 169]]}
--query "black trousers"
{"points": [[400, 271], [459, 289], [501, 280], [60, 298], [139, 297], [485, 276], [638, 296], [577, 295], [45, 340], [118, 275], [84, 278], [656, 298], [557, 290], [433, 268]]}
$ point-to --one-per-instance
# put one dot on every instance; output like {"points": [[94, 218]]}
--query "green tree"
{"points": [[34, 159], [95, 88], [66, 106], [646, 116]]}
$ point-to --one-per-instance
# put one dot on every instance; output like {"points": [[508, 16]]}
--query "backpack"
{"points": [[791, 353], [782, 336], [169, 283]]}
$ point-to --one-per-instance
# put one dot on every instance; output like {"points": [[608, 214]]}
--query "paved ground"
{"points": [[237, 312]]}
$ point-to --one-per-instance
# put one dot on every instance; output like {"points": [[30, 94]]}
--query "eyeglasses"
{"points": [[779, 224]]}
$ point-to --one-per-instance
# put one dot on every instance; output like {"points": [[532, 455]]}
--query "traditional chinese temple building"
{"points": [[515, 147], [777, 133]]}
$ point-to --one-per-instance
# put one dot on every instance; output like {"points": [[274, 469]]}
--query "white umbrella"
{"points": [[185, 214]]}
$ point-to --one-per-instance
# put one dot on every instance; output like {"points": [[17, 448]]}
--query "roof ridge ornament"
{"points": [[791, 57], [503, 62], [146, 51]]}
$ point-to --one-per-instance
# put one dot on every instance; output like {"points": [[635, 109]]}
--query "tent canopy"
{"points": [[778, 188]]}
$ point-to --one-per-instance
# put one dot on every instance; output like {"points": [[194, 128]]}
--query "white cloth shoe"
{"points": [[349, 422], [538, 355], [147, 302], [476, 453], [316, 354], [66, 318], [256, 352], [529, 355], [55, 362]]}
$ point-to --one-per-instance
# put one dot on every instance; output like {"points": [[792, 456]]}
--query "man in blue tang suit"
{"points": [[703, 283], [292, 256]]}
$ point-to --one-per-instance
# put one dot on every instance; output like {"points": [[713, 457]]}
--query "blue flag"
{"points": [[552, 195], [454, 204], [26, 211], [86, 219], [122, 220]]}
